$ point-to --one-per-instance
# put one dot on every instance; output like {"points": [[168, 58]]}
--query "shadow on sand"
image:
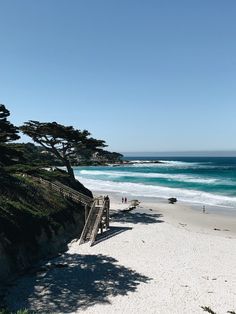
{"points": [[84, 281], [111, 232], [136, 217]]}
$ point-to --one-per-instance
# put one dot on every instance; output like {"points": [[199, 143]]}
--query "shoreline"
{"points": [[184, 213], [158, 258], [195, 198]]}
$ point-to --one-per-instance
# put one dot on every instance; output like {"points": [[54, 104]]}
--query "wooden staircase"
{"points": [[97, 208], [98, 218]]}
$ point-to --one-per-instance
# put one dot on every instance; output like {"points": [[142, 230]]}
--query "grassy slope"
{"points": [[26, 207]]}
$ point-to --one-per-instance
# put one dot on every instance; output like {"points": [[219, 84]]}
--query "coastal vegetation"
{"points": [[34, 222], [64, 142], [8, 133]]}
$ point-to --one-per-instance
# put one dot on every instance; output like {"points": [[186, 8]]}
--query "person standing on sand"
{"points": [[122, 200], [203, 209], [125, 200]]}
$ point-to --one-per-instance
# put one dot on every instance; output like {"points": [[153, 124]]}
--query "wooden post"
{"points": [[108, 214], [86, 212]]}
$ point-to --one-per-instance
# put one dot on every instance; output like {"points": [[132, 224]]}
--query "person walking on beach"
{"points": [[122, 200], [125, 200], [203, 209]]}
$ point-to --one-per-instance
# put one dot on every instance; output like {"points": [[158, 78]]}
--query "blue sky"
{"points": [[143, 75]]}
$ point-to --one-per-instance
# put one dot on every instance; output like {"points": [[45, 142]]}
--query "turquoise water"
{"points": [[197, 180]]}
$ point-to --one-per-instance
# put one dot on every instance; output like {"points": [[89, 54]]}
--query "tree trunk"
{"points": [[69, 169]]}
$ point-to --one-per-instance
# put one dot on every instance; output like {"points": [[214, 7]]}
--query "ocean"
{"points": [[200, 180]]}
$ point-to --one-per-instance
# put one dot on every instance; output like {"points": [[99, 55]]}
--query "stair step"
{"points": [[95, 219]]}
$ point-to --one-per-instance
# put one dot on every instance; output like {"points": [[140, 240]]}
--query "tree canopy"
{"points": [[65, 142], [8, 133]]}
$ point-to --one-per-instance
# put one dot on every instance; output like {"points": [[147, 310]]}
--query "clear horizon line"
{"points": [[183, 153]]}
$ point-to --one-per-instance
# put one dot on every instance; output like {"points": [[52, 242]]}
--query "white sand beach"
{"points": [[158, 258]]}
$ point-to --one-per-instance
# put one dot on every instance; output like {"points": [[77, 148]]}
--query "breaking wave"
{"points": [[142, 190], [174, 177]]}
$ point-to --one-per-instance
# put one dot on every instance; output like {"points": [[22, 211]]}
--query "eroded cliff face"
{"points": [[18, 256], [36, 221]]}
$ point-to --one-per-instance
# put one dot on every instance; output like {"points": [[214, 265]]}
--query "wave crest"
{"points": [[173, 177], [137, 189]]}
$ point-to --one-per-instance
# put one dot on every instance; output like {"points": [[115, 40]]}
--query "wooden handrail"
{"points": [[65, 190], [88, 224], [98, 207], [94, 221], [97, 223]]}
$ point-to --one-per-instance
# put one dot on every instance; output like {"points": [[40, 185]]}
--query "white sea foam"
{"points": [[141, 161], [133, 174], [175, 164], [136, 189], [174, 177], [165, 163]]}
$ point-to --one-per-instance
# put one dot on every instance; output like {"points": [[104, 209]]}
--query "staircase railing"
{"points": [[98, 222], [63, 189], [98, 216], [98, 212]]}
